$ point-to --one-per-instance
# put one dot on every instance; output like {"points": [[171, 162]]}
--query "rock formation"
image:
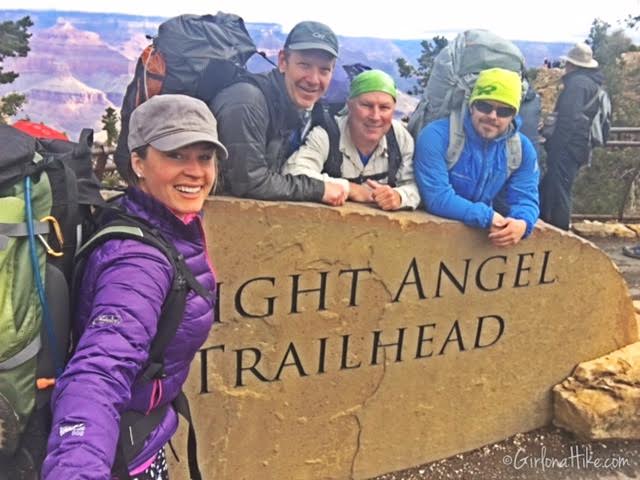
{"points": [[360, 342], [601, 399]]}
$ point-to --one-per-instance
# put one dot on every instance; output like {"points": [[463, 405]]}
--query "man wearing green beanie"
{"points": [[467, 162], [372, 154]]}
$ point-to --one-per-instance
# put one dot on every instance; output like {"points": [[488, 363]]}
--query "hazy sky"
{"points": [[548, 20]]}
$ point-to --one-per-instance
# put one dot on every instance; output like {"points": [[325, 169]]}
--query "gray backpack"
{"points": [[600, 124], [454, 74]]}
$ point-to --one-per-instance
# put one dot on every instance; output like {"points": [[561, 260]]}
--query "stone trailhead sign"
{"points": [[354, 342]]}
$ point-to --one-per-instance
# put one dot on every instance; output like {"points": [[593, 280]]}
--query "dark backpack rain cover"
{"points": [[203, 54]]}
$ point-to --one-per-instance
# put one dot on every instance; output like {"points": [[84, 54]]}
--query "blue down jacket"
{"points": [[123, 288], [467, 192]]}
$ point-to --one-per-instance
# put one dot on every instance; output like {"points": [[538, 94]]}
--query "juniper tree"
{"points": [[430, 49], [14, 42], [110, 125]]}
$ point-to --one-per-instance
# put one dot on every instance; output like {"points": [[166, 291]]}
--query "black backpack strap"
{"points": [[593, 100], [135, 426], [181, 405], [394, 155], [322, 117], [124, 226], [363, 178], [262, 83]]}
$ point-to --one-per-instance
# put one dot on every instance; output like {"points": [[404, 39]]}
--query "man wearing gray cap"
{"points": [[568, 148], [261, 120]]}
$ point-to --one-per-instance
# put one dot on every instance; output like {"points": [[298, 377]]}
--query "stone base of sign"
{"points": [[589, 228], [601, 399], [354, 342]]}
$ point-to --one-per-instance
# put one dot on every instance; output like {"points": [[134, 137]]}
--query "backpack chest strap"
{"points": [[21, 229], [27, 353]]}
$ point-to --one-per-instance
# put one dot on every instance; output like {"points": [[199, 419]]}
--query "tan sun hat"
{"points": [[581, 55]]}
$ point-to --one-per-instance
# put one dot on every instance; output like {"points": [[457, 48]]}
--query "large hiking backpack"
{"points": [[530, 114], [47, 229], [600, 123], [453, 77], [191, 55], [46, 190], [455, 70]]}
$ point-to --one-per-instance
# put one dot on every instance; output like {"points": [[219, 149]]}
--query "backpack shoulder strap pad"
{"points": [[321, 117], [128, 227], [456, 138], [262, 83], [593, 100], [394, 155], [456, 144], [514, 153]]}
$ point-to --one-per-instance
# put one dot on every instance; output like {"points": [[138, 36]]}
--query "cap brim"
{"points": [[592, 64], [181, 139], [313, 46]]}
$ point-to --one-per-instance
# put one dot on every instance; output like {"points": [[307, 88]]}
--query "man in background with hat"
{"points": [[568, 148], [374, 158], [262, 120], [494, 158]]}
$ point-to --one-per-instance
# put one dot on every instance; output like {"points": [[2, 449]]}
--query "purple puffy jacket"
{"points": [[123, 288]]}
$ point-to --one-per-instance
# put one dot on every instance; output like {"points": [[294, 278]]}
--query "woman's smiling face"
{"points": [[180, 179]]}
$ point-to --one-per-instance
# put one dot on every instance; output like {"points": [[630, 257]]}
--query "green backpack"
{"points": [[52, 183]]}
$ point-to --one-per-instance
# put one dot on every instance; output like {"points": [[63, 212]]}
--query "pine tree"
{"points": [[110, 125], [14, 42], [430, 49]]}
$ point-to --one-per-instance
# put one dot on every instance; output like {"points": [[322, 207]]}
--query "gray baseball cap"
{"points": [[312, 36], [168, 122]]}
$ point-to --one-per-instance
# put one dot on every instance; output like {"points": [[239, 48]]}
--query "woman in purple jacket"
{"points": [[174, 145]]}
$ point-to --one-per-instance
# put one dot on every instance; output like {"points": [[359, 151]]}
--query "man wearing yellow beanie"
{"points": [[465, 162], [372, 154]]}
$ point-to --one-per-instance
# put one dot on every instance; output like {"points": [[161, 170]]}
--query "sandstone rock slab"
{"points": [[354, 342], [601, 399], [599, 229]]}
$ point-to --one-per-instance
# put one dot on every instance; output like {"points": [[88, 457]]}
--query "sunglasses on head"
{"points": [[487, 108]]}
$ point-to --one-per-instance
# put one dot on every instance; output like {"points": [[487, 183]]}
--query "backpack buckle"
{"points": [[155, 370], [58, 233]]}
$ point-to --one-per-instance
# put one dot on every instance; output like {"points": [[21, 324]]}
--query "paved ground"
{"points": [[548, 453], [629, 267]]}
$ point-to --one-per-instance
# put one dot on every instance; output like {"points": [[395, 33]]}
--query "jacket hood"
{"points": [[594, 74]]}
